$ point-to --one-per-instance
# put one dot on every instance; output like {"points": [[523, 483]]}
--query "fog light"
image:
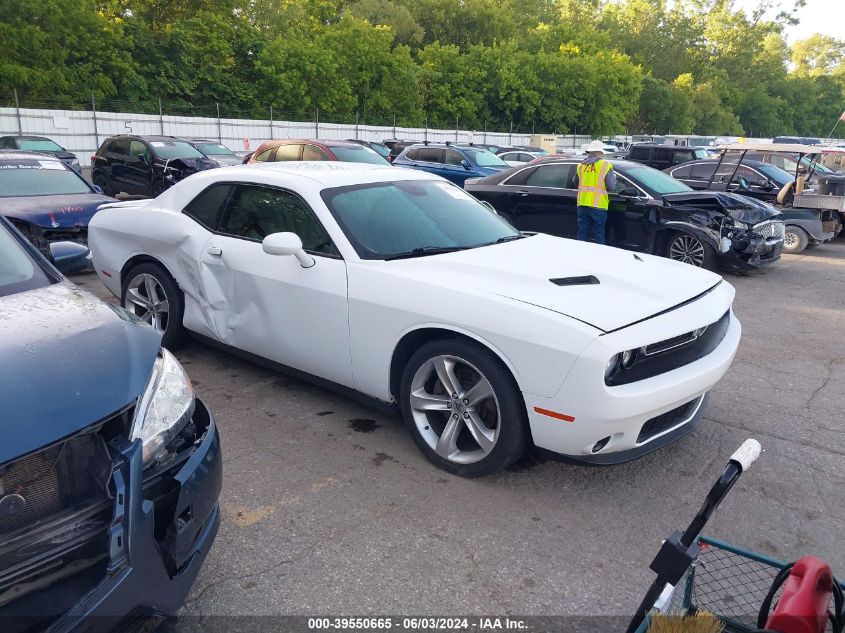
{"points": [[600, 444]]}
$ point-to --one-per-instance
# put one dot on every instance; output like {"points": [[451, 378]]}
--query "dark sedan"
{"points": [[42, 145], [110, 467], [216, 151], [649, 212], [45, 200]]}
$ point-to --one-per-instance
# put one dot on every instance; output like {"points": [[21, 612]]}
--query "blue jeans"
{"points": [[591, 218]]}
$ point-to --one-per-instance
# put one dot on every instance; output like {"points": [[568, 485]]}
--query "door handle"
{"points": [[523, 193], [216, 251]]}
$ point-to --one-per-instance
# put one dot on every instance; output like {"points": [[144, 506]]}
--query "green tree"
{"points": [[817, 55], [396, 16]]}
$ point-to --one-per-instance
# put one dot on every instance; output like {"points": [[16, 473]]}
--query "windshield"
{"points": [[40, 145], [775, 174], [701, 153], [483, 158], [214, 149], [389, 218], [25, 177], [18, 270], [174, 149], [357, 154], [656, 181]]}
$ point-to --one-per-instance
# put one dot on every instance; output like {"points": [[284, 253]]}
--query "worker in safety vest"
{"points": [[594, 177]]}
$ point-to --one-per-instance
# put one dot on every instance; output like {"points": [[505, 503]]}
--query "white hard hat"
{"points": [[595, 147]]}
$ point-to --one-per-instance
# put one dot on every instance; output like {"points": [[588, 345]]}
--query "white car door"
{"points": [[270, 305]]}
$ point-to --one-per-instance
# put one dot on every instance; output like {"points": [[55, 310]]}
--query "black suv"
{"points": [[664, 156], [145, 165]]}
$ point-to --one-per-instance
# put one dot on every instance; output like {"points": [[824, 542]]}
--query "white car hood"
{"points": [[632, 287]]}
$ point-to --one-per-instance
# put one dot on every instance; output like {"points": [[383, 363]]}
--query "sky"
{"points": [[819, 16]]}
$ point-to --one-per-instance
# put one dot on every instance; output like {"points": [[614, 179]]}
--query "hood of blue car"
{"points": [[61, 211], [489, 171], [67, 361]]}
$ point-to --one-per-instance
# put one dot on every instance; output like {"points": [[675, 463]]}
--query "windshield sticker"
{"points": [[51, 164], [453, 191], [157, 143], [16, 165]]}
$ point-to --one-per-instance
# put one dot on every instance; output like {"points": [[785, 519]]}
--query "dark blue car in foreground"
{"points": [[46, 200], [453, 162], [110, 467]]}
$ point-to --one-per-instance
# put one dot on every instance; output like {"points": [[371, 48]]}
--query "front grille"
{"points": [[667, 420], [29, 490], [77, 234], [771, 228]]}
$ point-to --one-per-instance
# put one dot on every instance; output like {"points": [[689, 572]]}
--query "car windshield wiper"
{"points": [[509, 238], [422, 251]]}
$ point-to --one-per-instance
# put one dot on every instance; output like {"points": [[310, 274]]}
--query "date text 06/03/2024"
{"points": [[430, 623]]}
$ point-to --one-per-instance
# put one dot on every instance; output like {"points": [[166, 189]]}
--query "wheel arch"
{"points": [[666, 231], [143, 258], [413, 339]]}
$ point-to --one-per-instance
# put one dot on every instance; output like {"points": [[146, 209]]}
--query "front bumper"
{"points": [[751, 253], [635, 418], [162, 527]]}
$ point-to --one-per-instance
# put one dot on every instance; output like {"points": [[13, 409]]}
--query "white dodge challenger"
{"points": [[398, 285]]}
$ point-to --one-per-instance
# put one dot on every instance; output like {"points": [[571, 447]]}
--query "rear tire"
{"points": [[481, 426], [686, 248], [103, 183], [795, 240], [150, 293]]}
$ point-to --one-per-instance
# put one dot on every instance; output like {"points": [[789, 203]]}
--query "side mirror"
{"points": [[465, 164], [768, 185], [285, 245], [97, 189], [69, 257], [629, 192]]}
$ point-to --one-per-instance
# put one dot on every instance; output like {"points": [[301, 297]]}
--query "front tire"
{"points": [[103, 183], [686, 248], [150, 293], [463, 408], [795, 240]]}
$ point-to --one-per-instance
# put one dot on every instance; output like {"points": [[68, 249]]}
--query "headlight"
{"points": [[74, 162], [612, 366], [741, 225], [165, 407], [623, 360]]}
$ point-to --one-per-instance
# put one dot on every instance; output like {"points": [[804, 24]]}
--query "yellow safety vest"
{"points": [[591, 189]]}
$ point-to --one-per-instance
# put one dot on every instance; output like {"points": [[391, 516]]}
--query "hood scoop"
{"points": [[584, 280]]}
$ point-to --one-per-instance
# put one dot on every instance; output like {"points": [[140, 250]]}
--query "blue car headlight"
{"points": [[165, 407]]}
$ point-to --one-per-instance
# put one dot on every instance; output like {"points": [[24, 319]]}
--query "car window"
{"points": [[483, 158], [682, 172], [264, 156], [703, 171], [663, 155], [389, 218], [383, 150], [312, 152], [254, 212], [33, 177], [358, 154], [519, 177], [682, 157], [430, 155], [207, 207], [18, 270], [453, 157], [120, 146], [40, 145], [137, 149], [640, 153], [557, 175], [412, 154], [699, 154], [288, 152], [654, 180], [168, 150], [623, 183], [214, 149], [6, 143], [753, 176]]}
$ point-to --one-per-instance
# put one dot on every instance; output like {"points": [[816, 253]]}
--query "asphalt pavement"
{"points": [[328, 507]]}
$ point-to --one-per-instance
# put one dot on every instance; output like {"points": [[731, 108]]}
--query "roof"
{"points": [[333, 173], [27, 137], [664, 145], [793, 148], [313, 141]]}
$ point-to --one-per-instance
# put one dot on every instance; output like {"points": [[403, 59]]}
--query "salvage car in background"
{"points": [[216, 151], [145, 165], [453, 162], [649, 212], [46, 200], [812, 214], [400, 286], [347, 151], [110, 467], [42, 145]]}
